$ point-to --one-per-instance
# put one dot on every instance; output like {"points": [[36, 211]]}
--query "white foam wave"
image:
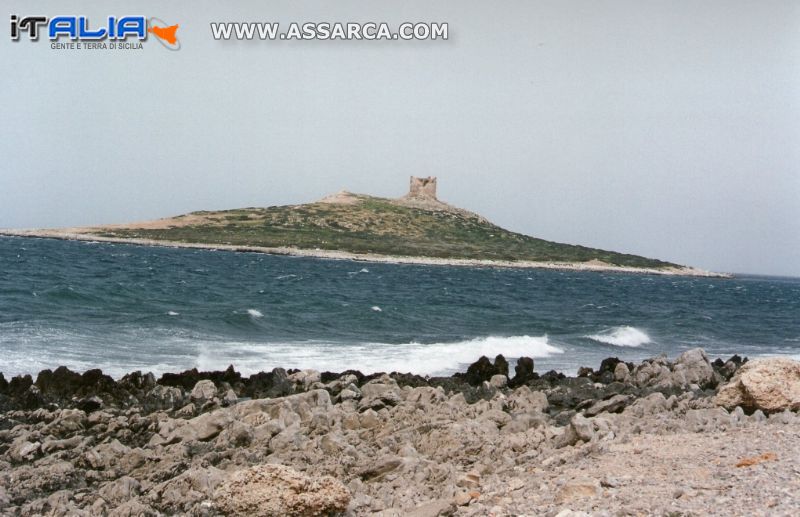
{"points": [[622, 336], [29, 350], [376, 308], [255, 313], [422, 359], [172, 313]]}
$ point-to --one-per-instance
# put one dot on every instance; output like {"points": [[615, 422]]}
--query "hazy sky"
{"points": [[668, 129]]}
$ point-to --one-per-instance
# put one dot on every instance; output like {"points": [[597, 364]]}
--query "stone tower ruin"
{"points": [[422, 187]]}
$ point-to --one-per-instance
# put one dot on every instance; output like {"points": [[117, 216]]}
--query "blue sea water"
{"points": [[123, 308]]}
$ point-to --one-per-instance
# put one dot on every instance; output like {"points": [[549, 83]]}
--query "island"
{"points": [[417, 228]]}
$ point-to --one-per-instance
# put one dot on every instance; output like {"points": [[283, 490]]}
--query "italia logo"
{"points": [[79, 29]]}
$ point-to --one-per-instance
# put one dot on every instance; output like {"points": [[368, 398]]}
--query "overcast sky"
{"points": [[667, 129]]}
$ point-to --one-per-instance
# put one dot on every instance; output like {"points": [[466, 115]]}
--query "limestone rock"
{"points": [[578, 489], [523, 399], [380, 393], [579, 428], [164, 397], [133, 508], [653, 372], [230, 398], [305, 378], [435, 508], [771, 385], [613, 405], [203, 390], [583, 427], [66, 421], [693, 367], [649, 405], [57, 445], [120, 490], [621, 372], [276, 490], [380, 468], [21, 449], [190, 488], [498, 381], [471, 479], [202, 428]]}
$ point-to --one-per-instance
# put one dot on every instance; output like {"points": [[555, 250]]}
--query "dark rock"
{"points": [[483, 369], [451, 385], [89, 404], [585, 371], [523, 372], [501, 365], [64, 387], [268, 384], [3, 384], [31, 399], [19, 385], [605, 373], [609, 364], [257, 384], [409, 379], [59, 384], [95, 382], [187, 379], [553, 377], [614, 404], [326, 377], [737, 360], [573, 393], [137, 382], [728, 368]]}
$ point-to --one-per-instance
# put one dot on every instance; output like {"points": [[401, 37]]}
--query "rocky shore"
{"points": [[668, 437]]}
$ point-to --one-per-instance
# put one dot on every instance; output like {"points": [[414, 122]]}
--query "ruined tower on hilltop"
{"points": [[422, 187]]}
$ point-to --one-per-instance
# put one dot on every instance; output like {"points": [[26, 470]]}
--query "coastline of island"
{"points": [[81, 234]]}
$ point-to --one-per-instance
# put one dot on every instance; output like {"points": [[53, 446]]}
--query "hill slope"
{"points": [[364, 224]]}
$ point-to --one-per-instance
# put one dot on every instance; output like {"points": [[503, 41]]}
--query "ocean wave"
{"points": [[418, 358], [255, 313], [69, 293], [622, 336]]}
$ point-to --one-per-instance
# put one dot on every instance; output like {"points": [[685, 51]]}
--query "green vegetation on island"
{"points": [[363, 224]]}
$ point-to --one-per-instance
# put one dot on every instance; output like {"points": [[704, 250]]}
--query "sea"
{"points": [[122, 308]]}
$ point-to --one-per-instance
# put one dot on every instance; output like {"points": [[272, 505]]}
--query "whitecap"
{"points": [[376, 308], [173, 313], [622, 336], [419, 358], [255, 313]]}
